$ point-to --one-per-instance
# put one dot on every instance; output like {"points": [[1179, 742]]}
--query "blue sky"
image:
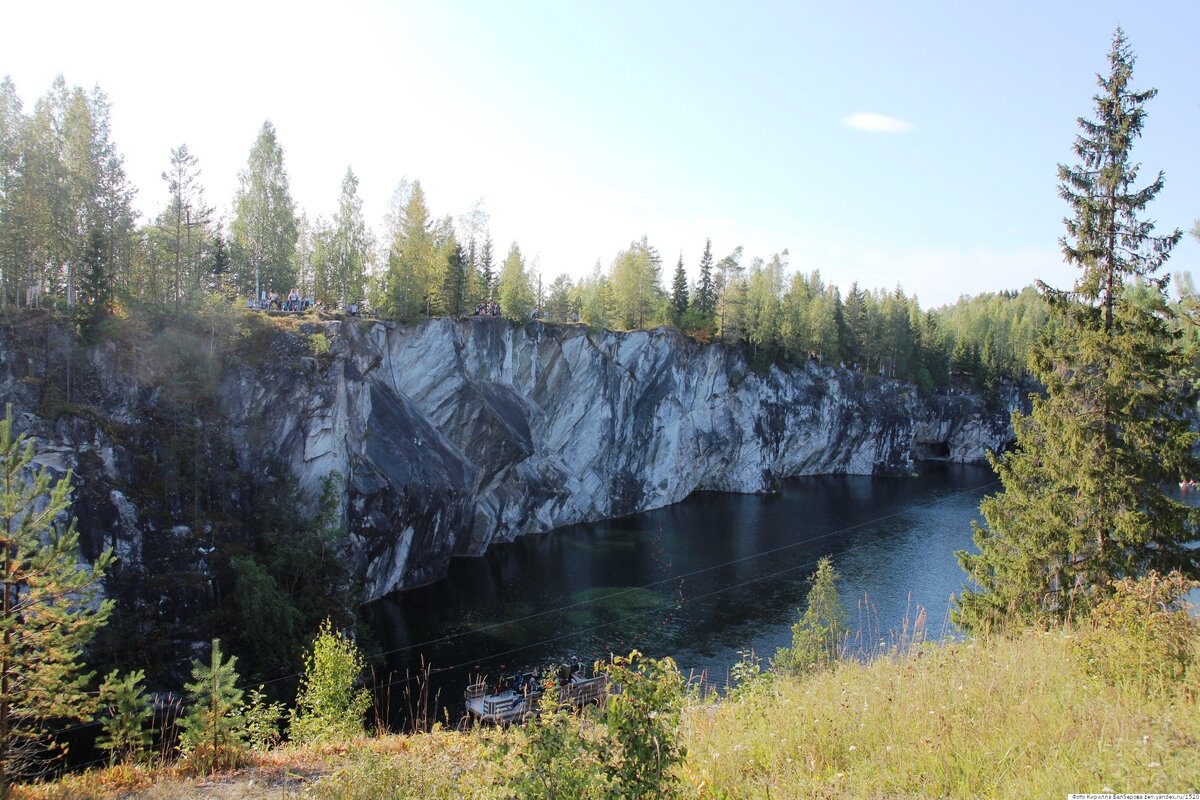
{"points": [[585, 126]]}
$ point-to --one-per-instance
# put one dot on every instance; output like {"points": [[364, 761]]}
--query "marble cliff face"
{"points": [[450, 435]]}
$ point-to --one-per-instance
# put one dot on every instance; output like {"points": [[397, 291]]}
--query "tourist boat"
{"points": [[514, 698]]}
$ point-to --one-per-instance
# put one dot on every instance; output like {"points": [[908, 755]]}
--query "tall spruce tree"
{"points": [[487, 270], [679, 291], [455, 284], [706, 293], [95, 285], [1084, 498], [49, 609]]}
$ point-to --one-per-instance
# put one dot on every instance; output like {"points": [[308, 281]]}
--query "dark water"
{"points": [[699, 581]]}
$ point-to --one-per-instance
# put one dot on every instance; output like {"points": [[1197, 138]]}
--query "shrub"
{"points": [[1141, 634], [329, 707], [556, 755], [643, 745], [262, 720], [318, 343], [748, 681]]}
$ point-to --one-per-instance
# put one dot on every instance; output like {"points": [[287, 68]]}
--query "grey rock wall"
{"points": [[455, 434], [451, 435]]}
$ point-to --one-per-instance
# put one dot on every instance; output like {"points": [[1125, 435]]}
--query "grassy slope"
{"points": [[1010, 718]]}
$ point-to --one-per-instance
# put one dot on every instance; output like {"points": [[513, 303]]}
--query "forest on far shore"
{"points": [[70, 238]]}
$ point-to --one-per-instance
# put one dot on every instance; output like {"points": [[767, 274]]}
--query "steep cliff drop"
{"points": [[452, 434]]}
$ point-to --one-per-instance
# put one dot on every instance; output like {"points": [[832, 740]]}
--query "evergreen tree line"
{"points": [[789, 317], [69, 237]]}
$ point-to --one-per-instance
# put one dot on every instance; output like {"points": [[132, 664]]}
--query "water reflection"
{"points": [[699, 581]]}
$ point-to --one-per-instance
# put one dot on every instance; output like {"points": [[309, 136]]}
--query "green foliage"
{"points": [[1084, 501], [818, 635], [182, 232], [748, 681], [455, 284], [95, 289], [730, 283], [705, 298], [291, 580], [486, 271], [262, 720], [594, 297], [127, 710], [415, 272], [1142, 634], [679, 292], [639, 300], [60, 178], [212, 734], [631, 750], [263, 232], [49, 609], [514, 289], [329, 706], [992, 334], [348, 248], [319, 343], [560, 303], [643, 745], [557, 754]]}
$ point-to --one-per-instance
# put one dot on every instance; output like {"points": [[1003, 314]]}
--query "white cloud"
{"points": [[876, 123]]}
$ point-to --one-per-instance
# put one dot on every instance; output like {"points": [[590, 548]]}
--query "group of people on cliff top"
{"points": [[295, 301]]}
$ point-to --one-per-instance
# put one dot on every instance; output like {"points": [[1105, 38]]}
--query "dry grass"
{"points": [[1009, 718]]}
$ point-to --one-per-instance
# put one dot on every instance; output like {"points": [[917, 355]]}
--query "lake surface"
{"points": [[700, 581]]}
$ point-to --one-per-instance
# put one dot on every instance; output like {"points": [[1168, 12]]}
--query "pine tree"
{"points": [[129, 709], [212, 733], [679, 291], [49, 609], [1084, 501], [706, 294]]}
